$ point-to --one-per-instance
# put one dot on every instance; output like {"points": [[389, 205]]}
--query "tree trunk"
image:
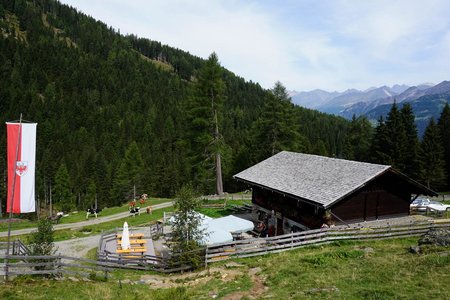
{"points": [[219, 183]]}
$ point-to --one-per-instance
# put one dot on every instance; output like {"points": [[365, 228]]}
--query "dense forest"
{"points": [[118, 114]]}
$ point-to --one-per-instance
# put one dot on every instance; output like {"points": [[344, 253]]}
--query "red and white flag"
{"points": [[21, 166]]}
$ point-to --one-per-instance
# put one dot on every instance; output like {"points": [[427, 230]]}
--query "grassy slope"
{"points": [[340, 271]]}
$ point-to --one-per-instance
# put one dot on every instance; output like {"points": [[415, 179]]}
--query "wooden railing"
{"points": [[51, 265], [261, 246], [17, 248]]}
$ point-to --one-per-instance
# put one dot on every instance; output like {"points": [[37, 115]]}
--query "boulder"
{"points": [[436, 237]]}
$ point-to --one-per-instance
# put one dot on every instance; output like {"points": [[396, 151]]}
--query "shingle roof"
{"points": [[315, 178]]}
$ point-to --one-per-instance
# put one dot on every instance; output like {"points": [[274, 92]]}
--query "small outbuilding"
{"points": [[296, 191]]}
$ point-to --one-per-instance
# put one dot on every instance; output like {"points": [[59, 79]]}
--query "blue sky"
{"points": [[305, 44]]}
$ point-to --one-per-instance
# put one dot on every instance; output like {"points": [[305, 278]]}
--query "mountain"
{"points": [[342, 102], [405, 93], [312, 99], [424, 107]]}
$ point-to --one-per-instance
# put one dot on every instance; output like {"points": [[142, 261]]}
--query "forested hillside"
{"points": [[113, 110]]}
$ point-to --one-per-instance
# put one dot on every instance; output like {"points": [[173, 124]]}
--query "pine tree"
{"points": [[187, 233], [431, 157], [129, 175], [410, 150], [379, 141], [444, 128], [62, 190], [357, 142], [276, 129], [203, 117]]}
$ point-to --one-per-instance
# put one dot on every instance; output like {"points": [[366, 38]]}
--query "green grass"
{"points": [[338, 271], [49, 289], [67, 234], [81, 215], [220, 212]]}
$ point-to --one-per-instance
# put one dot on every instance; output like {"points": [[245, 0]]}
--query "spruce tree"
{"points": [[432, 157], [62, 190], [187, 233], [276, 129], [357, 142], [444, 128], [410, 150], [204, 109], [129, 175]]}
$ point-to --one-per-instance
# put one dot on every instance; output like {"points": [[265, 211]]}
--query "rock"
{"points": [[321, 290], [415, 249], [436, 237], [443, 254], [126, 281], [367, 250], [233, 265], [74, 279]]}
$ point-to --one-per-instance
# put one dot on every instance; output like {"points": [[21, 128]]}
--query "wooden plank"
{"points": [[133, 235], [132, 250], [137, 241]]}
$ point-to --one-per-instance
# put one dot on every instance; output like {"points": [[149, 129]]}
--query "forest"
{"points": [[119, 115]]}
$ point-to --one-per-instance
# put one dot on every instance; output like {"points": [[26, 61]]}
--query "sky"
{"points": [[304, 44]]}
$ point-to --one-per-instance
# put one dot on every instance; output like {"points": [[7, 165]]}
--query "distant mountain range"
{"points": [[426, 100]]}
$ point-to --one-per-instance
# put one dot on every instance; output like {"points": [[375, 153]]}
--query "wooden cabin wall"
{"points": [[296, 210], [387, 196]]}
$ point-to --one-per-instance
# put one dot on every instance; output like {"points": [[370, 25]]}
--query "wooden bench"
{"points": [[132, 250], [133, 242], [133, 235]]}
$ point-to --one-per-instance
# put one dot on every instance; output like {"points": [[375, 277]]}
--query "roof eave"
{"points": [[280, 192]]}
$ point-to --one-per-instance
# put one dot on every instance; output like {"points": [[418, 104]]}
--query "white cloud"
{"points": [[304, 44]]}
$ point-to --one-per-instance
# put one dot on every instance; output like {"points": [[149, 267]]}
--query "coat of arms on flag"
{"points": [[21, 155], [21, 168]]}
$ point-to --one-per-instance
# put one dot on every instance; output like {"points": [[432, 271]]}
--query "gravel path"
{"points": [[77, 247], [83, 223]]}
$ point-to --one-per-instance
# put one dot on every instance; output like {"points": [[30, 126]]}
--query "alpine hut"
{"points": [[296, 191]]}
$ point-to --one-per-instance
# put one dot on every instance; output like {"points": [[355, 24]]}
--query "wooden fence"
{"points": [[261, 246], [13, 265], [17, 248]]}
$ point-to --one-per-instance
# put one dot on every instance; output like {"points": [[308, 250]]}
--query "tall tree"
{"points": [[431, 156], [276, 129], [357, 142], [203, 116], [410, 150], [187, 232], [444, 128], [130, 174], [62, 189]]}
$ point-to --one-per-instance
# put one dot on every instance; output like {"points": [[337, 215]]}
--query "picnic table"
{"points": [[137, 244], [132, 236]]}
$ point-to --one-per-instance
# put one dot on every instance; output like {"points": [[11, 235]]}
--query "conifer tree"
{"points": [[444, 128], [203, 117], [357, 142], [62, 190], [129, 174], [276, 129], [187, 232], [431, 157], [410, 150]]}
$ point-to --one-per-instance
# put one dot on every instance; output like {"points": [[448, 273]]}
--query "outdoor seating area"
{"points": [[130, 243]]}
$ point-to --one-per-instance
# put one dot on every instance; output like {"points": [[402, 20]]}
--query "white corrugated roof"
{"points": [[315, 178]]}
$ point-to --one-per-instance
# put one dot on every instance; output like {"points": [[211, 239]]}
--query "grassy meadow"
{"points": [[347, 270]]}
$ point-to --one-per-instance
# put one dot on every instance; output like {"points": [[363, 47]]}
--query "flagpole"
{"points": [[11, 201]]}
